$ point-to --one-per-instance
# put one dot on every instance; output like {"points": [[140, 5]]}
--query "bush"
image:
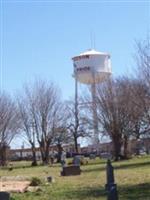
{"points": [[35, 181]]}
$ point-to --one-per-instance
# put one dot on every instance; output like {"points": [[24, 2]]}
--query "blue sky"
{"points": [[39, 38]]}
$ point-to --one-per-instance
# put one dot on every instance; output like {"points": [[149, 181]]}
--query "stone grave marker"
{"points": [[110, 186], [92, 156], [77, 160], [50, 179], [71, 170], [4, 196]]}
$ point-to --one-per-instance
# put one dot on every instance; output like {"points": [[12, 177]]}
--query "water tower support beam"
{"points": [[76, 112], [95, 118]]}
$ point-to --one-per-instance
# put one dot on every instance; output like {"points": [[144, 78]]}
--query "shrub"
{"points": [[35, 181]]}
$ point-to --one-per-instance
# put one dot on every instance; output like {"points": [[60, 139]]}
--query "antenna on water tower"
{"points": [[91, 67], [92, 40]]}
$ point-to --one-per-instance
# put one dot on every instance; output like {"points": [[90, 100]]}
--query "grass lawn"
{"points": [[132, 178]]}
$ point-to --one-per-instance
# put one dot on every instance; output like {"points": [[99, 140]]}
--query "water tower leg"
{"points": [[95, 118], [76, 111]]}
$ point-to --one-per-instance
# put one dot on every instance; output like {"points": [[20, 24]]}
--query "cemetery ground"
{"points": [[132, 177]]}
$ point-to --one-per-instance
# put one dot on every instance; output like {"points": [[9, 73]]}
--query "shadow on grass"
{"points": [[127, 192], [132, 165], [132, 192], [41, 165], [28, 166], [20, 167], [95, 169], [84, 193], [121, 166], [97, 163]]}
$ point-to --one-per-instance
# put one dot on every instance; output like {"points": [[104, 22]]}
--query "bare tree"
{"points": [[113, 104], [44, 105], [27, 125], [61, 132], [134, 127], [77, 123], [141, 87], [141, 92], [143, 60], [139, 109], [121, 112], [9, 125], [108, 116], [143, 66]]}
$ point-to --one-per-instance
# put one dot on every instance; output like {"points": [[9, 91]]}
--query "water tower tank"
{"points": [[92, 67]]}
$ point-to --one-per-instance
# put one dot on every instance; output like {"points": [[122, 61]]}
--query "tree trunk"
{"points": [[137, 148], [125, 147], [34, 161], [44, 148], [117, 152], [59, 152], [47, 154], [117, 146], [3, 155], [42, 153], [76, 144]]}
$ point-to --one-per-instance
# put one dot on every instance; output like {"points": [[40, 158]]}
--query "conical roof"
{"points": [[93, 52]]}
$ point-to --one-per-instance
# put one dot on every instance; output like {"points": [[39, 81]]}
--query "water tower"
{"points": [[91, 67]]}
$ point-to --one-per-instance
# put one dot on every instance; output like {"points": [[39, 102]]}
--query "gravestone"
{"points": [[110, 186], [4, 196], [71, 170], [106, 155], [109, 175], [77, 160], [92, 156], [50, 179], [112, 193]]}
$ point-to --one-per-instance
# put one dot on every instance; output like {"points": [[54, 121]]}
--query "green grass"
{"points": [[132, 178]]}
